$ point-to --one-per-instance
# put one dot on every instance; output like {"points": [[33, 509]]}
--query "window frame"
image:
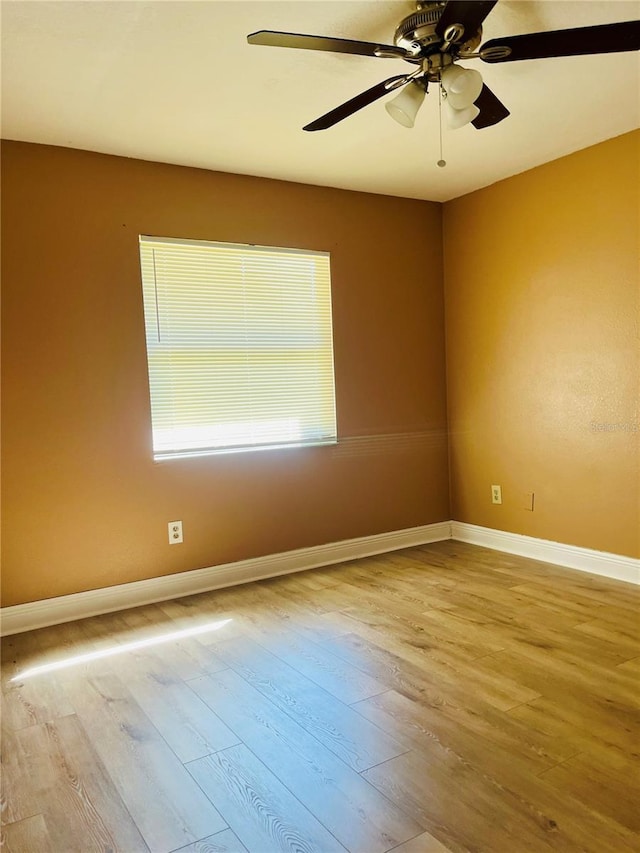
{"points": [[320, 421]]}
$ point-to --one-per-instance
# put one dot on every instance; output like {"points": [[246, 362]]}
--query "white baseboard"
{"points": [[66, 608], [585, 559]]}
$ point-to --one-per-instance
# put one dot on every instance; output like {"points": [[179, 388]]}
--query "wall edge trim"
{"points": [[602, 563], [66, 608]]}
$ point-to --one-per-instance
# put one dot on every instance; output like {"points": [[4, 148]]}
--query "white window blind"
{"points": [[239, 346]]}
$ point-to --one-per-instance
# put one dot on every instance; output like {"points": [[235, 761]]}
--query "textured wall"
{"points": [[84, 504], [542, 294], [542, 290]]}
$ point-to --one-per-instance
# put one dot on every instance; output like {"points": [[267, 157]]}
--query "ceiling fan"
{"points": [[434, 38]]}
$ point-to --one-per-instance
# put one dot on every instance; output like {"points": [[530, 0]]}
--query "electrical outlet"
{"points": [[496, 494], [175, 532], [529, 501]]}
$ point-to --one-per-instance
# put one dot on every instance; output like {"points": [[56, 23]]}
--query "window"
{"points": [[239, 346]]}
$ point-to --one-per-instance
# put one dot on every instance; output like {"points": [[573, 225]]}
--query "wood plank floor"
{"points": [[442, 698]]}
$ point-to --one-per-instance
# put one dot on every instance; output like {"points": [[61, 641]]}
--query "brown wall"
{"points": [[542, 286], [84, 504], [542, 291]]}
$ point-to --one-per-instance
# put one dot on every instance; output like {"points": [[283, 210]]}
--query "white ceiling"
{"points": [[175, 81]]}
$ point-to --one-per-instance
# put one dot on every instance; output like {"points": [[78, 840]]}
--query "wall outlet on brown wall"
{"points": [[175, 532]]}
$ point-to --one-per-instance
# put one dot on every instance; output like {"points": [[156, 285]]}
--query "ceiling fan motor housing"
{"points": [[417, 32]]}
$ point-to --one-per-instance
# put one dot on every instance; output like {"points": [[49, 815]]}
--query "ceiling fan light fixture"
{"points": [[458, 118], [435, 37], [462, 85], [404, 107]]}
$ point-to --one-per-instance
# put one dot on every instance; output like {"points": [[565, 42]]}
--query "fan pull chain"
{"points": [[441, 162]]}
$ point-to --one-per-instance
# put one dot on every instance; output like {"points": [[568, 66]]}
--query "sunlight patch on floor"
{"points": [[74, 660]]}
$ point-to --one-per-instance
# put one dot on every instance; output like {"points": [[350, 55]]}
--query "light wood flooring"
{"points": [[442, 698]]}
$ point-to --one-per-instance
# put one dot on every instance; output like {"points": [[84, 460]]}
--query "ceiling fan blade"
{"points": [[357, 103], [492, 110], [335, 45], [469, 13], [604, 38]]}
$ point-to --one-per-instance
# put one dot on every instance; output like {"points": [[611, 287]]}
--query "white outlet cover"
{"points": [[174, 529]]}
